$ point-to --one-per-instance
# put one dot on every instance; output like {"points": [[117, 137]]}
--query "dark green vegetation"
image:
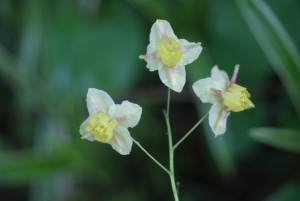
{"points": [[51, 52]]}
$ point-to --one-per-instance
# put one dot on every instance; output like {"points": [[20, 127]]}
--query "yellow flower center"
{"points": [[101, 127], [169, 51], [236, 98]]}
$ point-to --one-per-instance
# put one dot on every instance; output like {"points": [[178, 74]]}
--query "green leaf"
{"points": [[281, 138], [276, 44]]}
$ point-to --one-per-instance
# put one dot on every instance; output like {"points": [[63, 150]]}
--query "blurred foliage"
{"points": [[281, 138], [51, 52], [277, 45]]}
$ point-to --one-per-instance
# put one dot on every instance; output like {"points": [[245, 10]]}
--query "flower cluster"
{"points": [[108, 122]]}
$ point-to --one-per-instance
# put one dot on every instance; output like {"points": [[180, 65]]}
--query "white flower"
{"points": [[169, 55], [108, 122], [225, 95]]}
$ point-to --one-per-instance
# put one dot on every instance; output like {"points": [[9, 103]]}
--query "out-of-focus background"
{"points": [[52, 51]]}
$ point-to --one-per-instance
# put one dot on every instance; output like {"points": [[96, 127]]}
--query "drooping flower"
{"points": [[169, 55], [224, 94], [108, 122]]}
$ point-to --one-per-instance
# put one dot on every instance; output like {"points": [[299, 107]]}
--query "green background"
{"points": [[52, 51]]}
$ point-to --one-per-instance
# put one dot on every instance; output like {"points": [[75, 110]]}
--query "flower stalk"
{"points": [[171, 158], [150, 156], [171, 150]]}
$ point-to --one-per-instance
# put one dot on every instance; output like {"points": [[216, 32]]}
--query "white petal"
{"points": [[153, 63], [152, 47], [127, 114], [98, 101], [202, 90], [160, 29], [220, 76], [121, 141], [218, 119], [191, 51], [83, 132], [173, 77]]}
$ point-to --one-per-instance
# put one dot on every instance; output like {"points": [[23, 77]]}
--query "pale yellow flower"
{"points": [[169, 55], [224, 94], [108, 122]]}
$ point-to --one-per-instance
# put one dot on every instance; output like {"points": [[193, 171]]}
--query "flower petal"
{"points": [[152, 47], [127, 114], [154, 64], [191, 51], [83, 132], [121, 141], [202, 90], [98, 101], [221, 77], [218, 118], [161, 28], [173, 77]]}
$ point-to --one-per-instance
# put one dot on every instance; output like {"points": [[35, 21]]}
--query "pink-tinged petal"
{"points": [[202, 89], [173, 77], [191, 51], [218, 118], [218, 92], [83, 132], [121, 141], [149, 56], [235, 73], [160, 29], [98, 101], [151, 51], [221, 77], [153, 62], [126, 114]]}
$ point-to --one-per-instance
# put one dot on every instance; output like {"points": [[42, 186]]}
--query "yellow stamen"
{"points": [[169, 51], [101, 127], [236, 98]]}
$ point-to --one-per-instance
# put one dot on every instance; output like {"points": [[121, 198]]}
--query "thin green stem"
{"points": [[146, 152], [171, 155], [168, 103], [192, 129]]}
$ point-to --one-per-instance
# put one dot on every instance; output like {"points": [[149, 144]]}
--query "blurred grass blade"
{"points": [[281, 138], [276, 44], [290, 191], [16, 168]]}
